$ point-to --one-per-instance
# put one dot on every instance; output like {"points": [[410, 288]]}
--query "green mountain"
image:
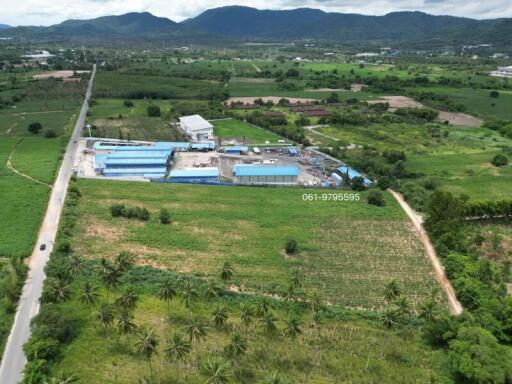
{"points": [[243, 23], [4, 26]]}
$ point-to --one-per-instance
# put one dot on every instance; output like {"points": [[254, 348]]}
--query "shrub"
{"points": [[494, 94], [117, 210], [50, 134], [357, 184], [154, 110], [499, 160], [376, 197], [35, 127], [120, 210], [291, 247], [128, 103], [165, 216]]}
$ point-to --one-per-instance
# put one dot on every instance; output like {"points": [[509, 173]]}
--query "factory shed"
{"points": [[194, 175], [236, 150], [353, 173], [196, 127], [265, 174], [135, 172]]}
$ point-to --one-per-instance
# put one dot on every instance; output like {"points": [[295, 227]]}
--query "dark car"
{"points": [[42, 247]]}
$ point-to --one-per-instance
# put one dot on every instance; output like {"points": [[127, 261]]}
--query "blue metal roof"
{"points": [[135, 171], [195, 172], [353, 173], [265, 170], [138, 154], [236, 148], [209, 145], [109, 162]]}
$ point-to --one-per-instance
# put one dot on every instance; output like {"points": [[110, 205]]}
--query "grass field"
{"points": [[348, 250], [226, 129]]}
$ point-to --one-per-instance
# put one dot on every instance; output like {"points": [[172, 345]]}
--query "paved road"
{"points": [[453, 303], [14, 359]]}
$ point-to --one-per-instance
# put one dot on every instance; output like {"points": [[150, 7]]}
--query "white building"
{"points": [[502, 72], [196, 127]]}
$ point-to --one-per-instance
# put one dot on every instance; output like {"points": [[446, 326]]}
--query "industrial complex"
{"points": [[202, 160]]}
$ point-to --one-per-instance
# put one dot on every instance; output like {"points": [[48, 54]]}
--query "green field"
{"points": [[210, 226], [236, 129]]}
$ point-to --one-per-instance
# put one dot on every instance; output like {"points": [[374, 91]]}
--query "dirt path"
{"points": [[454, 304], [11, 168], [256, 68], [9, 130]]}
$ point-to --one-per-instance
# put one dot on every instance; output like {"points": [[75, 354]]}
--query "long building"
{"points": [[265, 174], [502, 72], [196, 127]]}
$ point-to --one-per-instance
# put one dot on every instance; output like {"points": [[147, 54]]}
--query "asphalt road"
{"points": [[14, 360]]}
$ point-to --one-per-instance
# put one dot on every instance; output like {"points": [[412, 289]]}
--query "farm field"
{"points": [[106, 108], [236, 129], [348, 264]]}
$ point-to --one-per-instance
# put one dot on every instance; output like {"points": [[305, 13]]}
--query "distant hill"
{"points": [[4, 26], [243, 23]]}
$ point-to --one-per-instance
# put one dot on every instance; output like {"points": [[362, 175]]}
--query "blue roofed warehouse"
{"points": [[266, 174]]}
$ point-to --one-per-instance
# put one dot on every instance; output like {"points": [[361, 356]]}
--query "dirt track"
{"points": [[453, 303]]}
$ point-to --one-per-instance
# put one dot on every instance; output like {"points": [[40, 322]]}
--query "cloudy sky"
{"points": [[46, 12]]}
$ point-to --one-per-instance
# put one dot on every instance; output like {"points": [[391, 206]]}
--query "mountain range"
{"points": [[4, 26], [245, 23]]}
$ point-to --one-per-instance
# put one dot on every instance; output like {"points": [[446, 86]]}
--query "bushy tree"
{"points": [[376, 197], [35, 127], [154, 110]]}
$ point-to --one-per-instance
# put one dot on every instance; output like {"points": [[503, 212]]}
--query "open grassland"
{"points": [[38, 157], [112, 108], [337, 351], [23, 203], [477, 101], [55, 115], [348, 250], [236, 129]]}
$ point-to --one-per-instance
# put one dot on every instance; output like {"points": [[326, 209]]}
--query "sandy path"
{"points": [[11, 168], [256, 68], [453, 303]]}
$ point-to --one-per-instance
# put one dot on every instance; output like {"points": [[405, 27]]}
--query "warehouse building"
{"points": [[351, 173], [196, 127], [265, 174], [236, 150], [194, 175]]}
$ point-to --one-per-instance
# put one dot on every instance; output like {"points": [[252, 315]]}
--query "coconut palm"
{"points": [[263, 306], [296, 278], [292, 327], [211, 289], [196, 331], [389, 320], [226, 272], [124, 261], [128, 299], [105, 317], [176, 350], [403, 307], [167, 292], [315, 301], [317, 321], [246, 314], [109, 274], [428, 311], [189, 292], [76, 264], [237, 346], [290, 293], [125, 324], [59, 291], [89, 294], [268, 322], [217, 371], [219, 316], [392, 291], [147, 345]]}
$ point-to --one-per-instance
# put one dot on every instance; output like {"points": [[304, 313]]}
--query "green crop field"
{"points": [[348, 250], [111, 108], [226, 129]]}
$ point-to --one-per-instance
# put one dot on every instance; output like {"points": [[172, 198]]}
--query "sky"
{"points": [[47, 12]]}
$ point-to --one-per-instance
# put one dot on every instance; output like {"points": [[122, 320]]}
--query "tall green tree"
{"points": [[292, 327], [105, 317], [246, 314], [167, 291], [89, 294], [392, 291], [189, 292], [227, 271], [217, 372], [128, 299], [196, 330], [147, 345], [237, 346], [176, 350]]}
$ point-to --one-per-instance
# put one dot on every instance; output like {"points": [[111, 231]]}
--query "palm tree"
{"points": [[76, 264], [226, 272], [125, 324], [292, 327], [246, 314], [403, 307], [428, 311], [147, 345], [196, 331], [269, 323], [315, 301], [128, 299], [217, 371], [89, 294], [263, 306], [105, 317], [391, 291], [389, 320], [237, 346], [317, 321], [124, 261], [176, 350], [211, 289], [167, 292], [290, 293], [189, 292], [296, 278], [219, 316], [109, 274], [59, 291]]}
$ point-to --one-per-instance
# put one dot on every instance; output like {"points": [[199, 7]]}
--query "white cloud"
{"points": [[46, 12]]}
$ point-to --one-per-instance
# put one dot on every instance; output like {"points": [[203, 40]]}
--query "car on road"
{"points": [[42, 247]]}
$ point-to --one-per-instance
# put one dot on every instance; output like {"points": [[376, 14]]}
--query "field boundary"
{"points": [[11, 168], [453, 303]]}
